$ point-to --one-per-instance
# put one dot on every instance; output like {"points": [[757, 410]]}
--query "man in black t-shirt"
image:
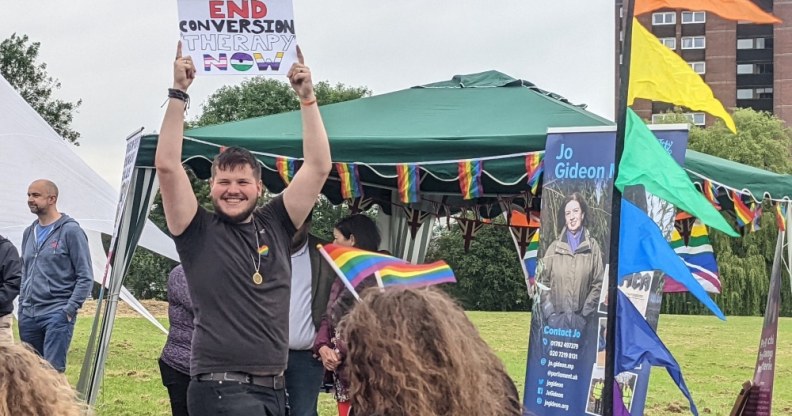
{"points": [[237, 259]]}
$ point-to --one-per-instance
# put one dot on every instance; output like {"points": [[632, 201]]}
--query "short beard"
{"points": [[233, 219]]}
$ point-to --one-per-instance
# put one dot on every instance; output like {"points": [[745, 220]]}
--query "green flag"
{"points": [[646, 163]]}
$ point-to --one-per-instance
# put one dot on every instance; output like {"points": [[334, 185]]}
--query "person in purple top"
{"points": [[175, 359]]}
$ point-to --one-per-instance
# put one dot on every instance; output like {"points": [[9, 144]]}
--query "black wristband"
{"points": [[179, 95]]}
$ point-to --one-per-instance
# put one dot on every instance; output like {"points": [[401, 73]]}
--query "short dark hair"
{"points": [[367, 236], [234, 157], [574, 196]]}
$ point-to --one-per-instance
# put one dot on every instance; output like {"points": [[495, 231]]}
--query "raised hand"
{"points": [[183, 70], [300, 78]]}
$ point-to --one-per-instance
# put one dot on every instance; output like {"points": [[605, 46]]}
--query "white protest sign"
{"points": [[238, 37]]}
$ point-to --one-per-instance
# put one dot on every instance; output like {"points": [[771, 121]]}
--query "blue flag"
{"points": [[643, 248], [638, 344]]}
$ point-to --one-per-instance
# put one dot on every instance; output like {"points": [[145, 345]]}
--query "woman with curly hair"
{"points": [[30, 386], [414, 352]]}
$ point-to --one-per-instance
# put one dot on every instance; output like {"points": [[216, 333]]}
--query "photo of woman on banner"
{"points": [[572, 269]]}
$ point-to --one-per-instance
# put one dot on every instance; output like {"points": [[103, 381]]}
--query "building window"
{"points": [[698, 119], [762, 68], [669, 42], [694, 42], [698, 67], [754, 93], [664, 18], [693, 17], [754, 43]]}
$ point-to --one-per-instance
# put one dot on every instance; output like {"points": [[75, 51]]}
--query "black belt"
{"points": [[274, 382]]}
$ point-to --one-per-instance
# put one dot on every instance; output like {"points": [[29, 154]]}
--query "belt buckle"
{"points": [[278, 382]]}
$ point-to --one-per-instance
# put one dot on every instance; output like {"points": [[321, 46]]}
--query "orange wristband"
{"points": [[308, 103]]}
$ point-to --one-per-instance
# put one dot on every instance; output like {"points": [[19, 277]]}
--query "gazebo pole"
{"points": [[613, 261]]}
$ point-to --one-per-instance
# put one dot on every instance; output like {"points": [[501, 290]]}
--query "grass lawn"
{"points": [[716, 357]]}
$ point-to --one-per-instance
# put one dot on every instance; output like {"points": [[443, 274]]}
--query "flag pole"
{"points": [[613, 261], [341, 275]]}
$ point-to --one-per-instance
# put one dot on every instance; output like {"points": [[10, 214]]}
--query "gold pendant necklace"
{"points": [[257, 277]]}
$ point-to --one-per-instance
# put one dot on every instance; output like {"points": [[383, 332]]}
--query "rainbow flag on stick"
{"points": [[780, 215], [350, 180], [710, 193], [416, 275], [409, 182], [744, 214], [470, 178], [285, 167], [534, 166]]}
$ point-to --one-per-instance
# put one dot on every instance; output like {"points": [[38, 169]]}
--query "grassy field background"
{"points": [[716, 358]]}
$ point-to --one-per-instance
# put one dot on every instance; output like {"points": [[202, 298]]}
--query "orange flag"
{"points": [[740, 10]]}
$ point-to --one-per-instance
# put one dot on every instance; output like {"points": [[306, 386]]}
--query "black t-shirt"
{"points": [[239, 325]]}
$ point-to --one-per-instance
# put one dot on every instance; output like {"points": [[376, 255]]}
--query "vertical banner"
{"points": [[645, 289], [238, 37], [760, 399], [563, 376]]}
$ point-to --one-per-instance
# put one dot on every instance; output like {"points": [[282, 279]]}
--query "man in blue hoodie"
{"points": [[57, 276], [10, 275]]}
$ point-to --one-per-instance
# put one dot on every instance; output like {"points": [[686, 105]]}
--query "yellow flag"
{"points": [[658, 74]]}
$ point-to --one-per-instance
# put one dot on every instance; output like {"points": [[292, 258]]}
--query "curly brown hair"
{"points": [[30, 386], [415, 352]]}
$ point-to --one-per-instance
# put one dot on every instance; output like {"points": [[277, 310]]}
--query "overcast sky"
{"points": [[116, 55]]}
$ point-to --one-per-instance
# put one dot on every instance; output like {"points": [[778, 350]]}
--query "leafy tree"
{"points": [[19, 67], [489, 276], [763, 141]]}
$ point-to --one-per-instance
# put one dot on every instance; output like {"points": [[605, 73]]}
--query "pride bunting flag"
{"points": [[470, 178], [744, 214], [350, 181], [285, 167], [690, 240], [780, 215], [738, 10], [534, 166], [659, 74], [408, 182], [710, 193], [416, 275]]}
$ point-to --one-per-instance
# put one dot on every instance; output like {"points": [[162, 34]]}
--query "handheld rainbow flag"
{"points": [[356, 264], [416, 275], [744, 214], [780, 215], [470, 178], [738, 10], [408, 182], [534, 165], [285, 167], [350, 180], [710, 193]]}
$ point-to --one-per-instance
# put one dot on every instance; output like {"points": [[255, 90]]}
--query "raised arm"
{"points": [[178, 199], [300, 196]]}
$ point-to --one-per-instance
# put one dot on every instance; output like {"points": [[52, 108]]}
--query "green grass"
{"points": [[716, 358]]}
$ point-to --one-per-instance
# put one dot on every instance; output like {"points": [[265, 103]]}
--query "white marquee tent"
{"points": [[30, 149]]}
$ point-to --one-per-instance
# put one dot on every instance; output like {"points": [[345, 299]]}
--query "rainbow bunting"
{"points": [[409, 182], [416, 275], [263, 250], [710, 193], [691, 242], [534, 165], [356, 264], [744, 214], [780, 215], [285, 167], [470, 178], [350, 180]]}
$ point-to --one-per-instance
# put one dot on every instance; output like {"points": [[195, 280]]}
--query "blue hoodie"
{"points": [[57, 275]]}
